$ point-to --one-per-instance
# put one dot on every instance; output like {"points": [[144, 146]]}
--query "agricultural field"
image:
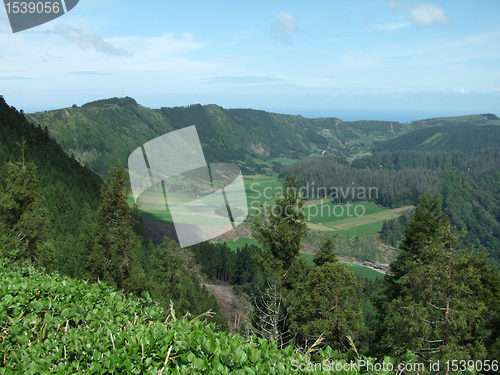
{"points": [[241, 242], [260, 190], [327, 212], [360, 226], [285, 161], [360, 270], [360, 219]]}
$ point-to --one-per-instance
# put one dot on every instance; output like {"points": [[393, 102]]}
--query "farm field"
{"points": [[362, 226], [362, 271], [241, 242], [285, 161], [321, 215], [328, 212]]}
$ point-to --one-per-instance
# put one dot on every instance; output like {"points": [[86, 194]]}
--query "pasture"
{"points": [[359, 270]]}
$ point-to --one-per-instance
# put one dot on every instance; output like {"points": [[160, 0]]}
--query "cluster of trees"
{"points": [[393, 230], [439, 302], [342, 182], [468, 183], [220, 263], [57, 214], [432, 161]]}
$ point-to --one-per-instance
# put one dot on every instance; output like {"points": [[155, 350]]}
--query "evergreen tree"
{"points": [[329, 306], [282, 271], [23, 216], [326, 252], [431, 305], [115, 239], [283, 228]]}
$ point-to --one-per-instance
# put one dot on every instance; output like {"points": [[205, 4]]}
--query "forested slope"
{"points": [[57, 214], [469, 184], [100, 132], [465, 138]]}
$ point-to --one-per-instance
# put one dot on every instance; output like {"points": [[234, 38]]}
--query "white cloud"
{"points": [[86, 40], [391, 26], [422, 14], [463, 91], [283, 25]]}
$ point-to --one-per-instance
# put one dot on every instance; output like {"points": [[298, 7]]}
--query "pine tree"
{"points": [[115, 239], [326, 252], [23, 216], [330, 307], [282, 271], [283, 228], [431, 305]]}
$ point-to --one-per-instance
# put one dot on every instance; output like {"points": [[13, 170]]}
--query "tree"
{"points": [[115, 238], [270, 317], [326, 252], [430, 304], [329, 304], [283, 228], [23, 216], [281, 232]]}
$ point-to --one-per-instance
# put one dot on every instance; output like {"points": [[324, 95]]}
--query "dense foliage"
{"points": [[56, 214], [436, 301], [468, 183], [53, 324]]}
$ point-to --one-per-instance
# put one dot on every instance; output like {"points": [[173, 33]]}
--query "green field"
{"points": [[361, 271], [260, 190], [241, 242], [322, 215], [328, 212], [285, 161]]}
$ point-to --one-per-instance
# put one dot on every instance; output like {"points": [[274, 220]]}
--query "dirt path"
{"points": [[400, 209]]}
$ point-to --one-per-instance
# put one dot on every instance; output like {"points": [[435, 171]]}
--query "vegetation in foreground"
{"points": [[295, 304]]}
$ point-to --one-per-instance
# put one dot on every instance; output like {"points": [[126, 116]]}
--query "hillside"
{"points": [[70, 191], [51, 213], [465, 138], [101, 132], [53, 324]]}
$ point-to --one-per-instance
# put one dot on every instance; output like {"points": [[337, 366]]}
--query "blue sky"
{"points": [[392, 60]]}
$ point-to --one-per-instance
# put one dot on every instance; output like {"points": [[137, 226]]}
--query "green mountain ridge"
{"points": [[449, 138], [101, 132]]}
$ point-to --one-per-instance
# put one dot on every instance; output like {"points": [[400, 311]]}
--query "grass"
{"points": [[361, 271], [364, 220], [260, 190], [365, 272], [285, 161], [241, 242], [328, 212]]}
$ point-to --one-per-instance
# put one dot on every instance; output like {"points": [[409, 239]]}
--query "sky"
{"points": [[375, 60]]}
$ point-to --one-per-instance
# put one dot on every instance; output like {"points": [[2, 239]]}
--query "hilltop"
{"points": [[103, 131]]}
